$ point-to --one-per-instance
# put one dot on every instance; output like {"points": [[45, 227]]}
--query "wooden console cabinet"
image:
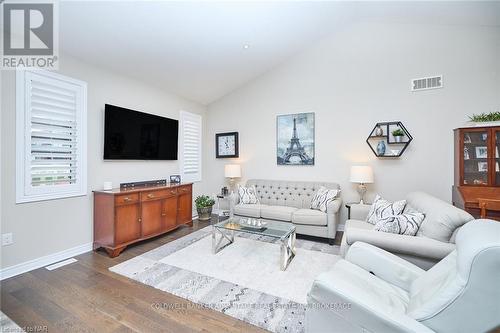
{"points": [[123, 217], [477, 169]]}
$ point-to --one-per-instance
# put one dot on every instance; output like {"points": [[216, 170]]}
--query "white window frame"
{"points": [[25, 192], [184, 115]]}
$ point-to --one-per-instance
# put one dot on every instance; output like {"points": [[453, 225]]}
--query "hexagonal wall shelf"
{"points": [[384, 143]]}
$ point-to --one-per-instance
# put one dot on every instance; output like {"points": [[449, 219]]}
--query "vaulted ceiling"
{"points": [[204, 50]]}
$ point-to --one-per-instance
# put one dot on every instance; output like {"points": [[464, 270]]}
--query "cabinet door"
{"points": [[184, 212], [496, 155], [127, 223], [169, 213], [151, 217], [475, 165]]}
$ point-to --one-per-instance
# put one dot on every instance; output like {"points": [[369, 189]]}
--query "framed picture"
{"points": [[226, 145], [295, 139], [482, 152], [175, 179], [482, 166]]}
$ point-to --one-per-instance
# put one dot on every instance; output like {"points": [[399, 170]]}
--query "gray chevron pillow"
{"points": [[404, 224], [322, 198], [248, 195], [382, 209]]}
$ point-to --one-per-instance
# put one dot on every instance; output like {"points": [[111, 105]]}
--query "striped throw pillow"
{"points": [[404, 224], [248, 195], [382, 209], [322, 198]]}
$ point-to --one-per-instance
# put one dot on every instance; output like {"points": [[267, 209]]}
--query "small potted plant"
{"points": [[398, 135], [204, 205]]}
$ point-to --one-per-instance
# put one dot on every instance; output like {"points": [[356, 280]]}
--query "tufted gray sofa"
{"points": [[290, 201]]}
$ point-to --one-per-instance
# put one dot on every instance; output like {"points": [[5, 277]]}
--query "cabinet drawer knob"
{"points": [[163, 214], [172, 192], [151, 195], [127, 199]]}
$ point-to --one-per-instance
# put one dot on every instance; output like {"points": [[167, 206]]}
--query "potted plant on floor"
{"points": [[204, 205], [398, 135]]}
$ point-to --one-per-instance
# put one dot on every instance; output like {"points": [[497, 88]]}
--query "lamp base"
{"points": [[361, 191], [231, 184]]}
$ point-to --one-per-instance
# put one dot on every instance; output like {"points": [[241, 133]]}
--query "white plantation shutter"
{"points": [[190, 146], [51, 136]]}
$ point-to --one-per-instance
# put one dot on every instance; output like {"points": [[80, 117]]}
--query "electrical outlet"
{"points": [[7, 239]]}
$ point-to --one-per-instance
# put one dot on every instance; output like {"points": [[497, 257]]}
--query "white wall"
{"points": [[47, 227], [352, 80]]}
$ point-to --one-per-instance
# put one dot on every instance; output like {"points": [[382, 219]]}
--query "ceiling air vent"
{"points": [[425, 83]]}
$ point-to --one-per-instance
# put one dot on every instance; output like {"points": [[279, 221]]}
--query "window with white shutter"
{"points": [[190, 146], [51, 111]]}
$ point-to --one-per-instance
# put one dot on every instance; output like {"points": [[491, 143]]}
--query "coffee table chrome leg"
{"points": [[287, 251], [218, 236]]}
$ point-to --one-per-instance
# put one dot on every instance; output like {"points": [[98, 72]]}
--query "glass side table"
{"points": [[228, 198]]}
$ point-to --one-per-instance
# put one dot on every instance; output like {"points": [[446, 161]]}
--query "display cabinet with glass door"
{"points": [[477, 167]]}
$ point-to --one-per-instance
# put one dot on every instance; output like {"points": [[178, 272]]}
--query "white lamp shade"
{"points": [[232, 171], [361, 174]]}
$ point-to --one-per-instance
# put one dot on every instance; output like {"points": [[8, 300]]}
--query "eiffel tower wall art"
{"points": [[295, 139]]}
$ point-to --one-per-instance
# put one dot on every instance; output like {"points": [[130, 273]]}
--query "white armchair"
{"points": [[372, 290]]}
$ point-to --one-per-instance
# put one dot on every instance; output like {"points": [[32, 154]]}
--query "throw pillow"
{"points": [[322, 198], [248, 195], [382, 209], [404, 224]]}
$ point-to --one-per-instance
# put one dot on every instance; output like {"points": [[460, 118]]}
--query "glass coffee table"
{"points": [[223, 234]]}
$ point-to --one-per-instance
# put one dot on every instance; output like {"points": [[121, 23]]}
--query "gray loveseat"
{"points": [[435, 238], [289, 201]]}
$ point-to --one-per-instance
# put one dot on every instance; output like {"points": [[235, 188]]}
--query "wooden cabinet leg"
{"points": [[190, 223], [115, 252]]}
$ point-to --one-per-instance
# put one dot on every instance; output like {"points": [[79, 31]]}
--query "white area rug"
{"points": [[242, 281], [255, 264]]}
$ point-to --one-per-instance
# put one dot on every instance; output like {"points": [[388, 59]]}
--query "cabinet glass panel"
{"points": [[497, 157], [476, 158]]}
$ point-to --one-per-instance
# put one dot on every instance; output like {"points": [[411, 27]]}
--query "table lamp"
{"points": [[232, 171], [361, 175]]}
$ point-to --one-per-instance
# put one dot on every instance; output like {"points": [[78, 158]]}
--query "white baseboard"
{"points": [[43, 261]]}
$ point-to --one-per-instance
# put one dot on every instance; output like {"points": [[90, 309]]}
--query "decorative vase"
{"points": [[379, 131], [381, 148], [398, 138], [204, 213]]}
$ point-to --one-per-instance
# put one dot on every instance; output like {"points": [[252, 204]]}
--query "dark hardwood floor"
{"points": [[86, 297]]}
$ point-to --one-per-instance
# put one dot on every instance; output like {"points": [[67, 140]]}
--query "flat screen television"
{"points": [[133, 135]]}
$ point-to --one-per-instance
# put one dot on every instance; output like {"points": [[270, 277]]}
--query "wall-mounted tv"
{"points": [[133, 135]]}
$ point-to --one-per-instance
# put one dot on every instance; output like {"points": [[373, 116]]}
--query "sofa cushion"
{"points": [[252, 210], [366, 289], [441, 218], [309, 217], [412, 245], [281, 213]]}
